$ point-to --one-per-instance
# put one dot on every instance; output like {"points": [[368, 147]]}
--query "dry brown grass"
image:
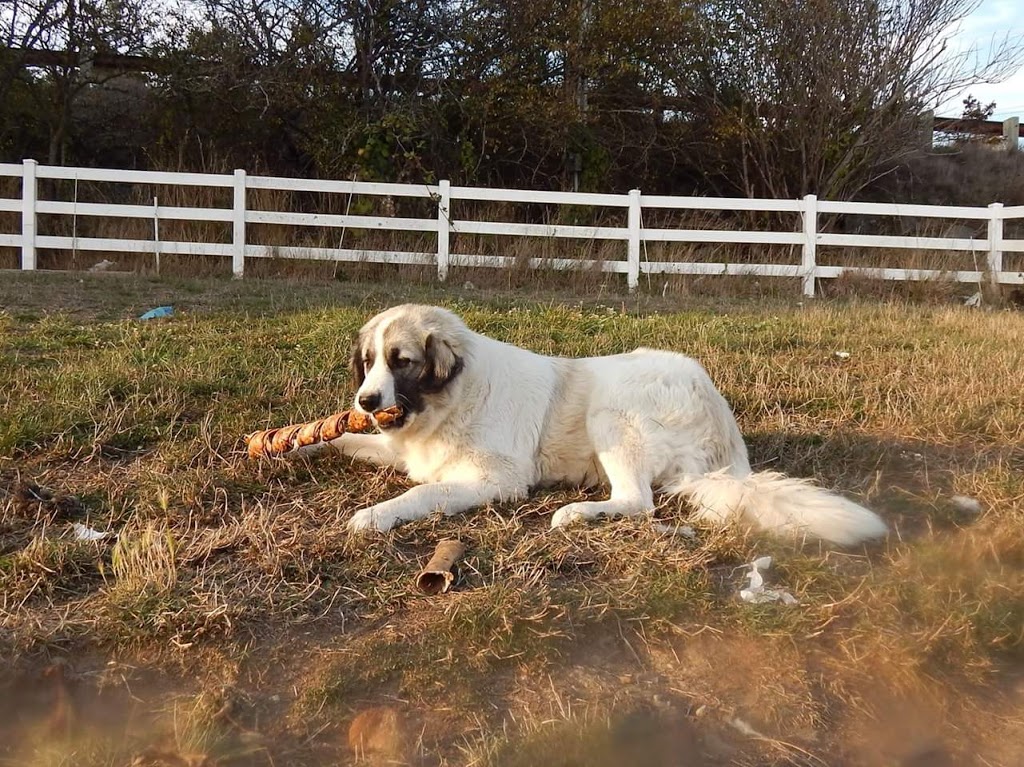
{"points": [[233, 619]]}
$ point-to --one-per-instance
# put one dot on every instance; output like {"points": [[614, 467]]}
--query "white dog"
{"points": [[487, 421]]}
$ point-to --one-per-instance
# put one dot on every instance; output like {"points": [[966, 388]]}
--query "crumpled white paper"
{"points": [[756, 593], [83, 533]]}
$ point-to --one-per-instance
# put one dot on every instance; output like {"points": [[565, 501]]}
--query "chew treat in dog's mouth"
{"points": [[287, 438]]}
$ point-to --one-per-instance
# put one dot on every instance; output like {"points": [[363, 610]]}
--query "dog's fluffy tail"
{"points": [[781, 505]]}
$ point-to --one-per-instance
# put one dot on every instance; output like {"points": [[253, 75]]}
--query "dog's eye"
{"points": [[402, 362]]}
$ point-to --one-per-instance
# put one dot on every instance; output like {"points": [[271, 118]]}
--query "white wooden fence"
{"points": [[989, 251]]}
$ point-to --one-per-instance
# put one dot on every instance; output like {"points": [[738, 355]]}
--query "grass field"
{"points": [[233, 621]]}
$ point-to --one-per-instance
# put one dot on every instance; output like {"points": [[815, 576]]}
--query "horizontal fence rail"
{"points": [[804, 238]]}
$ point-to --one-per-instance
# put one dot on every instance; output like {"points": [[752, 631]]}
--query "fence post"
{"points": [[156, 233], [1011, 134], [633, 222], [29, 193], [995, 243], [238, 236], [809, 260], [444, 227]]}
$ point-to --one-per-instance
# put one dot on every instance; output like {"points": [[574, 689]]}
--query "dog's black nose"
{"points": [[369, 402]]}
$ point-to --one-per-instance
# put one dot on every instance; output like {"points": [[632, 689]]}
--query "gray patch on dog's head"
{"points": [[402, 341]]}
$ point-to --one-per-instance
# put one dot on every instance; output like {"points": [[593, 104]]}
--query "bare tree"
{"points": [[72, 32], [23, 26], [818, 96]]}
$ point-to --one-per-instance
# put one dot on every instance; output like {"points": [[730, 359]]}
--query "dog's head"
{"points": [[407, 356]]}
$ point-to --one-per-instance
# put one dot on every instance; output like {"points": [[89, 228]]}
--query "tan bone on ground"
{"points": [[284, 439]]}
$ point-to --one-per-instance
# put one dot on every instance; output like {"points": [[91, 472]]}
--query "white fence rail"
{"points": [[989, 251]]}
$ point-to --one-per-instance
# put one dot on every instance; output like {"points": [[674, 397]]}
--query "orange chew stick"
{"points": [[287, 438]]}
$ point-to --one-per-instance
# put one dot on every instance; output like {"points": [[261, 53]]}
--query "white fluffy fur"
{"points": [[640, 422]]}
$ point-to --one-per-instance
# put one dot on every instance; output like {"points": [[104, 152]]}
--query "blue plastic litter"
{"points": [[160, 311]]}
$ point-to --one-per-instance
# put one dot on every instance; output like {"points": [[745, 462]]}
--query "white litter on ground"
{"points": [[83, 533], [684, 530], [966, 503], [756, 593], [745, 728]]}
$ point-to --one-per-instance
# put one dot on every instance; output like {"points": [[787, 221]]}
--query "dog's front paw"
{"points": [[570, 515], [372, 518]]}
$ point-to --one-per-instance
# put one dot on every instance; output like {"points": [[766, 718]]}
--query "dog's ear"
{"points": [[440, 364], [355, 365]]}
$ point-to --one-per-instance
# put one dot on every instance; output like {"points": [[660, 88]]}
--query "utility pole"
{"points": [[579, 74]]}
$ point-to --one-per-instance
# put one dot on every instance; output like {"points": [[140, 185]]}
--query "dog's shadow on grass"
{"points": [[914, 485]]}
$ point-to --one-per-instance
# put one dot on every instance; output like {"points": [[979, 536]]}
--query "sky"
{"points": [[992, 20]]}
